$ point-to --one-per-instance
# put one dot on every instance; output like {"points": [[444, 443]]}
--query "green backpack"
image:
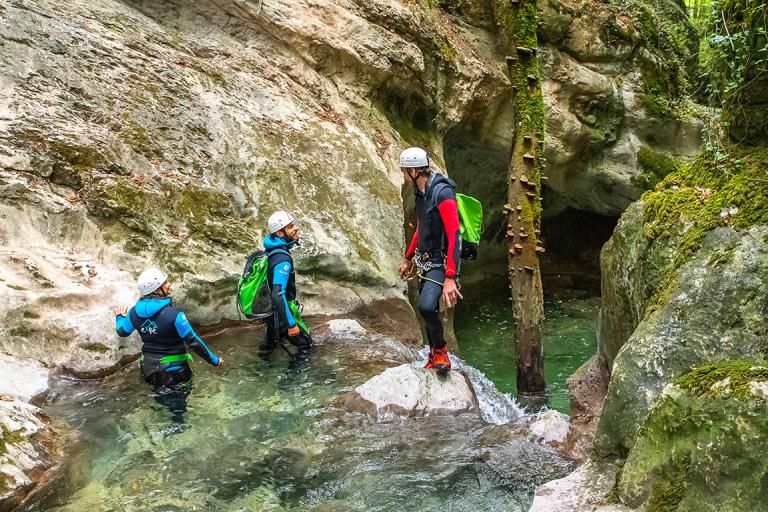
{"points": [[254, 296], [470, 219]]}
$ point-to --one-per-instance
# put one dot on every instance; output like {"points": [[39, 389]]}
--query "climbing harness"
{"points": [[421, 276]]}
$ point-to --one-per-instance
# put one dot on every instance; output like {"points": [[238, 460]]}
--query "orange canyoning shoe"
{"points": [[442, 362], [430, 360]]}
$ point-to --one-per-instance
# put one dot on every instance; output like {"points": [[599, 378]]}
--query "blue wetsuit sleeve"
{"points": [[279, 281], [191, 338], [123, 326]]}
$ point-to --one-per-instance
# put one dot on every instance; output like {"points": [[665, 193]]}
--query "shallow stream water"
{"points": [[269, 436]]}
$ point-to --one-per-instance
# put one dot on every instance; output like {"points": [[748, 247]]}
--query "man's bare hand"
{"points": [[451, 293], [119, 310], [293, 331], [406, 266]]}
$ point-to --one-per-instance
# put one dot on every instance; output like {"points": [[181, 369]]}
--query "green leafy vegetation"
{"points": [[733, 66]]}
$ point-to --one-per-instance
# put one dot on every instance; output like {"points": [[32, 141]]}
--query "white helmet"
{"points": [[414, 157], [278, 221], [150, 280]]}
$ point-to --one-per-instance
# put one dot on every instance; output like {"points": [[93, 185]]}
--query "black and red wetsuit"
{"points": [[437, 247]]}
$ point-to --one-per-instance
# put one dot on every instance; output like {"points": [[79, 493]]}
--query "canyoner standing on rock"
{"points": [[435, 249], [285, 322], [165, 333]]}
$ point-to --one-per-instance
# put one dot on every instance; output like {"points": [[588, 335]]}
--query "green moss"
{"points": [[206, 69], [137, 137], [670, 43], [656, 166], [447, 51], [689, 202], [78, 157], [209, 212], [669, 210], [9, 437], [519, 23], [613, 496], [722, 256], [95, 347], [701, 446], [700, 380], [115, 197], [668, 491]]}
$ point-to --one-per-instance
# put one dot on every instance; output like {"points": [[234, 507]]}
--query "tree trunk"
{"points": [[517, 22]]}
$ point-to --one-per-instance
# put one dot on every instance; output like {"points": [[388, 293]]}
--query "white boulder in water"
{"points": [[345, 328], [410, 390], [551, 428], [24, 379], [584, 489]]}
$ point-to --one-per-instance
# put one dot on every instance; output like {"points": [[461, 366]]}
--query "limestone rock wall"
{"points": [[134, 134], [616, 78]]}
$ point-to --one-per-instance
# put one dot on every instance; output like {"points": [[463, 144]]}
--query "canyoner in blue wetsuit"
{"points": [[286, 322], [165, 334]]}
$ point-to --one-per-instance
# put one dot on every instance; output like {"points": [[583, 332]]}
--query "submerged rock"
{"points": [[341, 328], [410, 390], [583, 490], [551, 428], [525, 463]]}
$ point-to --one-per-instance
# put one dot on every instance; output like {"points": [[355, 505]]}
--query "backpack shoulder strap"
{"points": [[249, 262], [278, 251], [434, 192]]}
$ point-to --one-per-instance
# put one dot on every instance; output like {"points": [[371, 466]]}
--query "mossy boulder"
{"points": [[717, 310], [685, 283], [632, 268], [702, 446]]}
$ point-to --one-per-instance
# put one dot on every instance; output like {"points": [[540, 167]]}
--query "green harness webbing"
{"points": [[296, 312], [176, 358]]}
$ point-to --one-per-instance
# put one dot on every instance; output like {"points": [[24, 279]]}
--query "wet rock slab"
{"points": [[28, 448], [582, 490], [410, 390]]}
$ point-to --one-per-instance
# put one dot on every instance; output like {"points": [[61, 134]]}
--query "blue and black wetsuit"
{"points": [[282, 279], [165, 333]]}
